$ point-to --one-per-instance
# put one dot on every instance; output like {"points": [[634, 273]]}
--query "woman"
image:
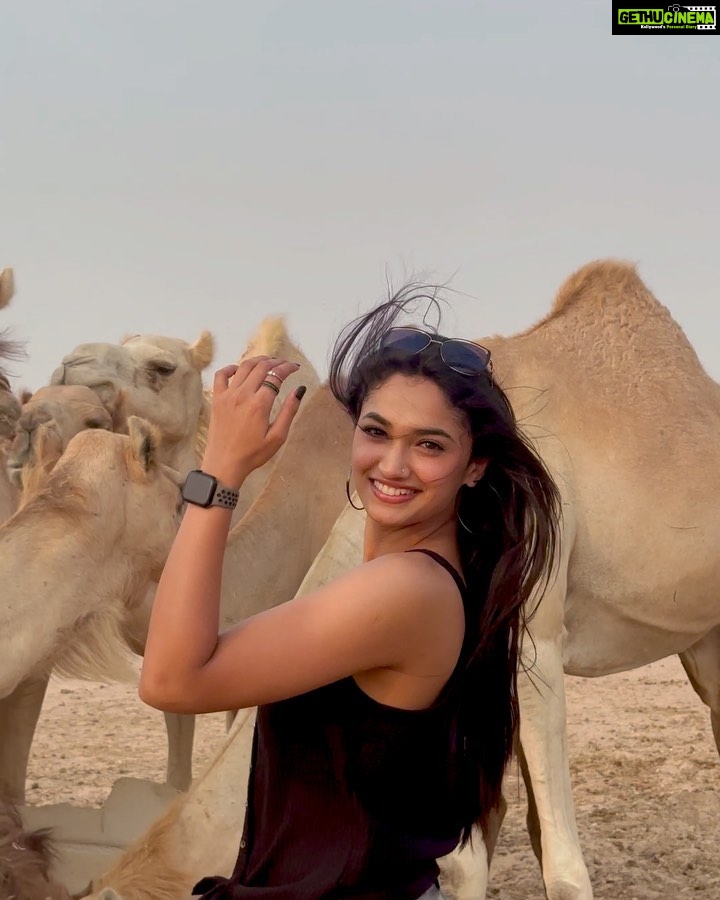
{"points": [[387, 698]]}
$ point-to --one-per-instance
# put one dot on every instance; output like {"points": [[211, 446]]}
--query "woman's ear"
{"points": [[475, 472]]}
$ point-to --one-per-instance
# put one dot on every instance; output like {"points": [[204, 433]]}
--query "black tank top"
{"points": [[348, 797]]}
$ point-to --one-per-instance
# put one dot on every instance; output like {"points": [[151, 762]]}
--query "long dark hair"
{"points": [[508, 527]]}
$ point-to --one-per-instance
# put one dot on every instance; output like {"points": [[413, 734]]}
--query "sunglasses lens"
{"points": [[464, 357], [406, 340]]}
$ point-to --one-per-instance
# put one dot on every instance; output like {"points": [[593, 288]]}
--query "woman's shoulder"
{"points": [[415, 574]]}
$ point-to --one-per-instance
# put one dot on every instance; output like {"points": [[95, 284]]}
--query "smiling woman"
{"points": [[387, 698]]}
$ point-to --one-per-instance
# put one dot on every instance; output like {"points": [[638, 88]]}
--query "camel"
{"points": [[51, 417], [159, 378], [615, 400], [86, 539], [66, 410], [26, 860], [156, 378]]}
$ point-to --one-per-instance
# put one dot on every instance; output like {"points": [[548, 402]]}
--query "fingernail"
{"points": [[300, 392]]}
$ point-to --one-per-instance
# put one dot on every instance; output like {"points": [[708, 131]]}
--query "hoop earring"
{"points": [[469, 530], [349, 495]]}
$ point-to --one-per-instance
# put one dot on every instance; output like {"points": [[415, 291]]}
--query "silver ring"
{"points": [[273, 387], [274, 375]]}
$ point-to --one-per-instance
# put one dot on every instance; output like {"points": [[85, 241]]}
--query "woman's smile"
{"points": [[390, 493]]}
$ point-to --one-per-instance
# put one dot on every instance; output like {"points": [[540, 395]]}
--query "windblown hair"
{"points": [[9, 350], [507, 539]]}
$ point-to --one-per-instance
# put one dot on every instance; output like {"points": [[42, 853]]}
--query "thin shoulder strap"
{"points": [[446, 565], [453, 680]]}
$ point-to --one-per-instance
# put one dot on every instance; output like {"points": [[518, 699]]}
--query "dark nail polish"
{"points": [[300, 392]]}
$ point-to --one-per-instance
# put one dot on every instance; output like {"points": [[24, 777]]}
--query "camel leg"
{"points": [[532, 819], [180, 728], [19, 713], [543, 738], [180, 733], [464, 873], [702, 664], [544, 744]]}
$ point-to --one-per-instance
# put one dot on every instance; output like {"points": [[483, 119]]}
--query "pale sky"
{"points": [[174, 165]]}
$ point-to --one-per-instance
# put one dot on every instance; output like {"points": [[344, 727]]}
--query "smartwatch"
{"points": [[204, 490]]}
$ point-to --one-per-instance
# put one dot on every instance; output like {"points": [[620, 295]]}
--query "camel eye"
{"points": [[94, 423], [161, 368]]}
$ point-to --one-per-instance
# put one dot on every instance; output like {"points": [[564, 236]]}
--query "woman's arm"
{"points": [[384, 614], [185, 617]]}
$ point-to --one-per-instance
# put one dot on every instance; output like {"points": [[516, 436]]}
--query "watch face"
{"points": [[199, 488]]}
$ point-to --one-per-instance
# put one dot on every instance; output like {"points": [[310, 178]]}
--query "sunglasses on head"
{"points": [[459, 355]]}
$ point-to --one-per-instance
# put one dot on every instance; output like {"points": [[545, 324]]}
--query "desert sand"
{"points": [[644, 767]]}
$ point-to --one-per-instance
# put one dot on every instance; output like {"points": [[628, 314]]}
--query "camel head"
{"points": [[63, 409], [160, 379], [110, 481]]}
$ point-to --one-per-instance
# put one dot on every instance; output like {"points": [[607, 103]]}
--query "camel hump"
{"points": [[270, 338], [597, 281]]}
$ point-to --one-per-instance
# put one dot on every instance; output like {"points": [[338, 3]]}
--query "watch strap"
{"points": [[225, 496]]}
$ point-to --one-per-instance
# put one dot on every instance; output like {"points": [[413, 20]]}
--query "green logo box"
{"points": [[670, 19]]}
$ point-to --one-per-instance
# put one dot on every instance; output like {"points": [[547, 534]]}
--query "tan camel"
{"points": [[612, 394], [66, 410], [121, 376], [84, 514], [85, 538], [156, 378], [52, 417], [159, 378]]}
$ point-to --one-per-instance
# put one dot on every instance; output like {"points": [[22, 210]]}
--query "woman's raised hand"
{"points": [[241, 436]]}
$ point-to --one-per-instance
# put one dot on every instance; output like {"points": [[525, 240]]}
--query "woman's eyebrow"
{"points": [[439, 432]]}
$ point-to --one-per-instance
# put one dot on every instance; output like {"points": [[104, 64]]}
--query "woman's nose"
{"points": [[394, 465]]}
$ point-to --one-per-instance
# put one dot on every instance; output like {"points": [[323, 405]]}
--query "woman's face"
{"points": [[411, 452]]}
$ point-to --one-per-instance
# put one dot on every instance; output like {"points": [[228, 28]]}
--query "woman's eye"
{"points": [[372, 431], [431, 445]]}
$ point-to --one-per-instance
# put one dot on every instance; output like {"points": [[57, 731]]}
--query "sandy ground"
{"points": [[644, 767]]}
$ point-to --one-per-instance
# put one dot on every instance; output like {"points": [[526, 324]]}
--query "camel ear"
{"points": [[7, 286], [202, 351], [25, 395], [144, 441], [127, 337], [117, 410]]}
